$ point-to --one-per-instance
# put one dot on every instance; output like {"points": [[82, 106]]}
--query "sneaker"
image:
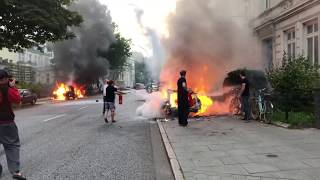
{"points": [[106, 120], [19, 176], [114, 121]]}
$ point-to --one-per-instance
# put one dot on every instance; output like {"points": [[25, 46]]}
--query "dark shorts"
{"points": [[110, 106]]}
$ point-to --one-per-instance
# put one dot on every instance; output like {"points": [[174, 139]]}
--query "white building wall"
{"points": [[10, 56]]}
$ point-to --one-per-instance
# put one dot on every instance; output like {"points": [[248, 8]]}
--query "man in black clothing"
{"points": [[109, 100], [183, 105], [245, 95]]}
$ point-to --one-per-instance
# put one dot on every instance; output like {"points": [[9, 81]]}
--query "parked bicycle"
{"points": [[262, 107], [235, 103]]}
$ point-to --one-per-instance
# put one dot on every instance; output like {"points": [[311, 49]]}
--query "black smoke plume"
{"points": [[77, 60]]}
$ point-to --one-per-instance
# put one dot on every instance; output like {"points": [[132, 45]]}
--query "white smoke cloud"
{"points": [[152, 106]]}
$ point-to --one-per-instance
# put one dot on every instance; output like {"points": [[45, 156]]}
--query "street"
{"points": [[70, 140]]}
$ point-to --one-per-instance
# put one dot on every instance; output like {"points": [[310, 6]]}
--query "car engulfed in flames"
{"points": [[198, 104], [64, 92]]}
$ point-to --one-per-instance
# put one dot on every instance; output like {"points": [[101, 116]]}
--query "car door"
{"points": [[27, 96]]}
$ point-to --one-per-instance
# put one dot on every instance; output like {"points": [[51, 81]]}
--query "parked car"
{"points": [[153, 87], [27, 96], [139, 86]]}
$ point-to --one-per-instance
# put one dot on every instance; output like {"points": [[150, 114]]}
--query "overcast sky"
{"points": [[155, 14]]}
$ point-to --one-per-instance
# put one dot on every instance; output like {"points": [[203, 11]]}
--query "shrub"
{"points": [[293, 84]]}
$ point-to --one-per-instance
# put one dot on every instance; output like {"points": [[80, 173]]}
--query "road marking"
{"points": [[55, 117], [83, 108]]}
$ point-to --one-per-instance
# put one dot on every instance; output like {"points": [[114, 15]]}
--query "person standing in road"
{"points": [[104, 86], [110, 98], [183, 105], [9, 136], [245, 95]]}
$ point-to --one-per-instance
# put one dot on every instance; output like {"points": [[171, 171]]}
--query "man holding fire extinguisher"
{"points": [[109, 100]]}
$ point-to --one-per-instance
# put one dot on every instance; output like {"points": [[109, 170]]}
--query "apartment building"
{"points": [[288, 27]]}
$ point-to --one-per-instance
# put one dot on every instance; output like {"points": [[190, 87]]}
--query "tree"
{"points": [[141, 73], [293, 84], [118, 53], [29, 23]]}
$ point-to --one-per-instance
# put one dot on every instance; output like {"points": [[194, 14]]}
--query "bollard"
{"points": [[317, 106]]}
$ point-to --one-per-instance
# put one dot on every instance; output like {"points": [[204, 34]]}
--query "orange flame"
{"points": [[201, 78], [61, 89]]}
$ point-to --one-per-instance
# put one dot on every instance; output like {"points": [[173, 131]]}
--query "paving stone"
{"points": [[259, 167], [192, 149], [226, 169], [189, 178], [235, 160], [187, 164], [295, 174], [313, 173], [290, 165], [239, 152], [207, 162], [221, 147], [315, 163], [201, 177]]}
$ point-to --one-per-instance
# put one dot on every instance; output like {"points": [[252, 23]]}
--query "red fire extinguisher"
{"points": [[120, 98]]}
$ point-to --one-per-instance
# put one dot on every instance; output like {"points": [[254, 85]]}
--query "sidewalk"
{"points": [[223, 148]]}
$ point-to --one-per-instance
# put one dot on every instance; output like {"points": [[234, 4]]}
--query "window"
{"points": [[312, 41], [291, 43], [267, 4]]}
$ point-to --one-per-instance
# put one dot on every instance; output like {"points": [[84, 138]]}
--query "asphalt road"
{"points": [[69, 140]]}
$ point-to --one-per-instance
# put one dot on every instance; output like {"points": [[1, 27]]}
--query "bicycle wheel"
{"points": [[255, 113], [234, 107], [268, 112]]}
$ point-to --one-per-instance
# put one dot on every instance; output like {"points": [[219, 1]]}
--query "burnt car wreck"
{"points": [[170, 106]]}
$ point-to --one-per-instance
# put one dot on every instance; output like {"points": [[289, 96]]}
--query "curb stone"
{"points": [[175, 166], [281, 124]]}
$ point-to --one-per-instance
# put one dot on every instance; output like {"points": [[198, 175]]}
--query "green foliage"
{"points": [[141, 73], [118, 52], [35, 88], [296, 120], [293, 84], [29, 23]]}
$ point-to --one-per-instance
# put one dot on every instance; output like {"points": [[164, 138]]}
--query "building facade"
{"points": [[124, 77], [288, 28], [30, 66]]}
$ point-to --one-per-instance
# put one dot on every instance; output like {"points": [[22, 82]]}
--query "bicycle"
{"points": [[262, 106], [235, 103]]}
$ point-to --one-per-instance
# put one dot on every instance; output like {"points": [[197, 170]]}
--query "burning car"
{"points": [[170, 106], [70, 94], [64, 92]]}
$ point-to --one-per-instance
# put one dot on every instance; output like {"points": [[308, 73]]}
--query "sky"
{"points": [[154, 17]]}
